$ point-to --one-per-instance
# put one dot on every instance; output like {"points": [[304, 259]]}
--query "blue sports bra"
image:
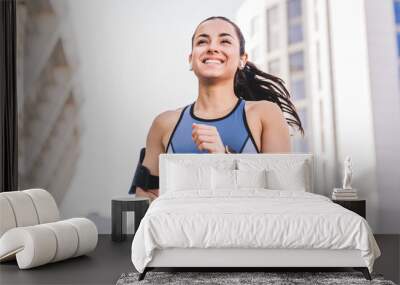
{"points": [[232, 128]]}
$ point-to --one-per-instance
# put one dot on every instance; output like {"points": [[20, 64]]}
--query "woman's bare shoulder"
{"points": [[168, 118], [261, 104], [265, 110], [166, 122]]}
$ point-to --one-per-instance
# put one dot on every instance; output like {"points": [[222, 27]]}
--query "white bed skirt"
{"points": [[236, 257]]}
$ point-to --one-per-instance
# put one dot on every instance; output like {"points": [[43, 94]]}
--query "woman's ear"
{"points": [[190, 62], [242, 61], [244, 58]]}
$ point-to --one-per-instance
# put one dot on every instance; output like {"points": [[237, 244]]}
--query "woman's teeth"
{"points": [[210, 61]]}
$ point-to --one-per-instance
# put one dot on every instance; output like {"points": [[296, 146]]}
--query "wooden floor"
{"points": [[110, 259]]}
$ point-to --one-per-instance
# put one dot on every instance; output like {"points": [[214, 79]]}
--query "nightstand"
{"points": [[357, 206], [119, 205]]}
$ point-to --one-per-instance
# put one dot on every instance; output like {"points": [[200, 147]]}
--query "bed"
{"points": [[247, 210]]}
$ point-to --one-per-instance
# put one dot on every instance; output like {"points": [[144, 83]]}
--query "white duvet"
{"points": [[251, 218]]}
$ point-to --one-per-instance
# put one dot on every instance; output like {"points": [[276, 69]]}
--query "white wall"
{"points": [[385, 95], [133, 62], [367, 97], [353, 106]]}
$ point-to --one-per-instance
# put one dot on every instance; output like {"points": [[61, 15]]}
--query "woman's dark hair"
{"points": [[252, 84]]}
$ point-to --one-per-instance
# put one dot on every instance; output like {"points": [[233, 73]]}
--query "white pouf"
{"points": [[31, 231]]}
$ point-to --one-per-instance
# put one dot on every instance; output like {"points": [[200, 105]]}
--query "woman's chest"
{"points": [[252, 117]]}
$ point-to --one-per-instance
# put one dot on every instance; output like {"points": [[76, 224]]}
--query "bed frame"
{"points": [[240, 259], [250, 258]]}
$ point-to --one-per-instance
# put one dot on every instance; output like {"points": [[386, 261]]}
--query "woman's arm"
{"points": [[154, 148], [275, 136]]}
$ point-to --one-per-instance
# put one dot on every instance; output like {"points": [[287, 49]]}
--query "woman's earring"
{"points": [[241, 65], [190, 66]]}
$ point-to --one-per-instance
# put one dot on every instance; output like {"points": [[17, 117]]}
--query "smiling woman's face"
{"points": [[215, 53]]}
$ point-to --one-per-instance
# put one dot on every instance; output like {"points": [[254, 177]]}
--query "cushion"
{"points": [[23, 208], [223, 179], [251, 178], [27, 208], [30, 230], [188, 176], [44, 243], [7, 220], [237, 179], [282, 174], [293, 178], [45, 205]]}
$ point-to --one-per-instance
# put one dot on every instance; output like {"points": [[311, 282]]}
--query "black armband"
{"points": [[142, 177]]}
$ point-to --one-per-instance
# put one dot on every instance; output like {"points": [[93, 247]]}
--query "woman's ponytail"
{"points": [[252, 84]]}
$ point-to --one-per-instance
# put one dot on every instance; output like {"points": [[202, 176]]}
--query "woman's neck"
{"points": [[214, 99]]}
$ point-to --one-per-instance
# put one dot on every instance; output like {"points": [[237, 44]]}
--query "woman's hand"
{"points": [[207, 138]]}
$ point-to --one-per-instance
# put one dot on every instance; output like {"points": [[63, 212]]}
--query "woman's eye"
{"points": [[224, 41]]}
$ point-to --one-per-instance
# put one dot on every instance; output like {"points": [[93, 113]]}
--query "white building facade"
{"points": [[339, 62]]}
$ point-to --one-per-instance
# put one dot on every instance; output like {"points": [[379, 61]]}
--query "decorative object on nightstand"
{"points": [[355, 205], [348, 173], [130, 203], [346, 192]]}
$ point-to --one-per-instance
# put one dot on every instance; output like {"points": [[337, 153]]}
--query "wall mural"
{"points": [[49, 99]]}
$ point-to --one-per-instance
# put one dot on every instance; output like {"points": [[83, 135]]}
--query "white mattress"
{"points": [[251, 218]]}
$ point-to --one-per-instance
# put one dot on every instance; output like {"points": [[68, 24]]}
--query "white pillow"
{"points": [[230, 179], [282, 174], [222, 164], [223, 178], [187, 177], [251, 178], [293, 178]]}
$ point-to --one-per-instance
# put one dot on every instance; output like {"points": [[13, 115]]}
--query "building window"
{"points": [[296, 61], [297, 89], [294, 9], [398, 44], [295, 33], [272, 28], [295, 26], [297, 81], [397, 11], [303, 117], [300, 144]]}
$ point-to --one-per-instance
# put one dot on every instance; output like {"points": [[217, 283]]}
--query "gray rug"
{"points": [[225, 278]]}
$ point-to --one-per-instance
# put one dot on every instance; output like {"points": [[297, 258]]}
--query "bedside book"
{"points": [[344, 198], [344, 194], [340, 190]]}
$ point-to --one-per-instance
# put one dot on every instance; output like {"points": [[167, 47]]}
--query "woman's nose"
{"points": [[213, 47], [212, 51]]}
